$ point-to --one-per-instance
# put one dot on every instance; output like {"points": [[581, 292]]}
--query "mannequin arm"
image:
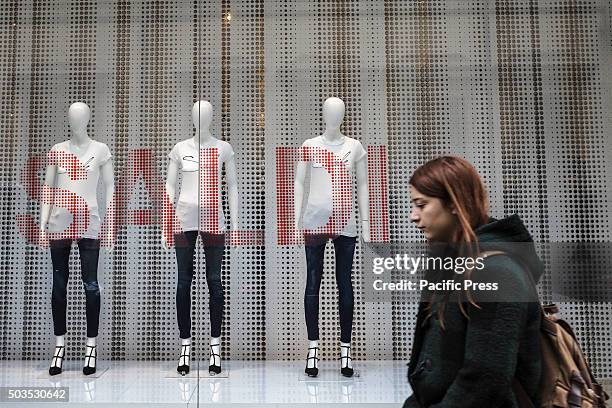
{"points": [[232, 192], [171, 180], [363, 197], [298, 191], [45, 207], [108, 178]]}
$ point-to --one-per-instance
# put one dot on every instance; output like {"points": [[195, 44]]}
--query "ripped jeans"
{"points": [[89, 250]]}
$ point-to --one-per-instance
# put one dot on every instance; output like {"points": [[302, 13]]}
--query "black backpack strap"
{"points": [[521, 395]]}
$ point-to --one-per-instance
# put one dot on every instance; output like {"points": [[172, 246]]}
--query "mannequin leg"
{"points": [[344, 248], [60, 255], [89, 250], [214, 246], [184, 246], [315, 252]]}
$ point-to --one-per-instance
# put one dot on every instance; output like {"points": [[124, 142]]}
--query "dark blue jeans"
{"points": [[214, 246], [89, 251], [344, 248]]}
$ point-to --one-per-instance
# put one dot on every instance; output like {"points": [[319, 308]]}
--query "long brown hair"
{"points": [[458, 185]]}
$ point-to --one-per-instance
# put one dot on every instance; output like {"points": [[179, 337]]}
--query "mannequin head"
{"points": [[202, 115], [78, 116], [333, 112]]}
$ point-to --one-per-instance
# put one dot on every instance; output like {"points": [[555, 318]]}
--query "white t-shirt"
{"points": [[319, 206], [79, 177], [204, 214]]}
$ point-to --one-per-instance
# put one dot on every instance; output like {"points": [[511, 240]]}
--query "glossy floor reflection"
{"points": [[250, 384]]}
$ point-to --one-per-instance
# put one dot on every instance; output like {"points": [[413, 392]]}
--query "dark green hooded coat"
{"points": [[471, 364]]}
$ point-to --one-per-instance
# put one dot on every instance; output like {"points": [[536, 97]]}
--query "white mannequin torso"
{"points": [[93, 156], [333, 140], [318, 209], [181, 161]]}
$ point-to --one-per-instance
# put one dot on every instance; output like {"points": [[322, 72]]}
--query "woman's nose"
{"points": [[414, 217]]}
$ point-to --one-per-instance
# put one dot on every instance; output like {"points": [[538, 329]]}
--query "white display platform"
{"points": [[251, 384]]}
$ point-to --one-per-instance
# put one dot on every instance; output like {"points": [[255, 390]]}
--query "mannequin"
{"points": [[195, 219], [316, 214], [95, 158]]}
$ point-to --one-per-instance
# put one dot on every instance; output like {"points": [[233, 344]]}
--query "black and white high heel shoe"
{"points": [[214, 368], [314, 370], [57, 361], [346, 369], [90, 354], [183, 365]]}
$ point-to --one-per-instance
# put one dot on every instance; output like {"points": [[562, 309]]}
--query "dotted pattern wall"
{"points": [[520, 88], [9, 122], [246, 110], [418, 125], [521, 119], [121, 123], [44, 95], [576, 121], [164, 94]]}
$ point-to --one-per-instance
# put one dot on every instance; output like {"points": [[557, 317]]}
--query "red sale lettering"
{"points": [[76, 206], [341, 192], [141, 167], [209, 191], [377, 188], [341, 185]]}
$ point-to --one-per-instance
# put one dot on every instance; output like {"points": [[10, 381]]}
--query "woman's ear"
{"points": [[449, 206]]}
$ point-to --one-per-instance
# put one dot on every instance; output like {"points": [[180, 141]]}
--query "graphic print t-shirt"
{"points": [[319, 205], [199, 205], [79, 177]]}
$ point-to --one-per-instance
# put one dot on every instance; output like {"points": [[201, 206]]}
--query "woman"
{"points": [[471, 351]]}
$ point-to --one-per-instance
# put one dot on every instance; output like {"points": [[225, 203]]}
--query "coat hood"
{"points": [[511, 236]]}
